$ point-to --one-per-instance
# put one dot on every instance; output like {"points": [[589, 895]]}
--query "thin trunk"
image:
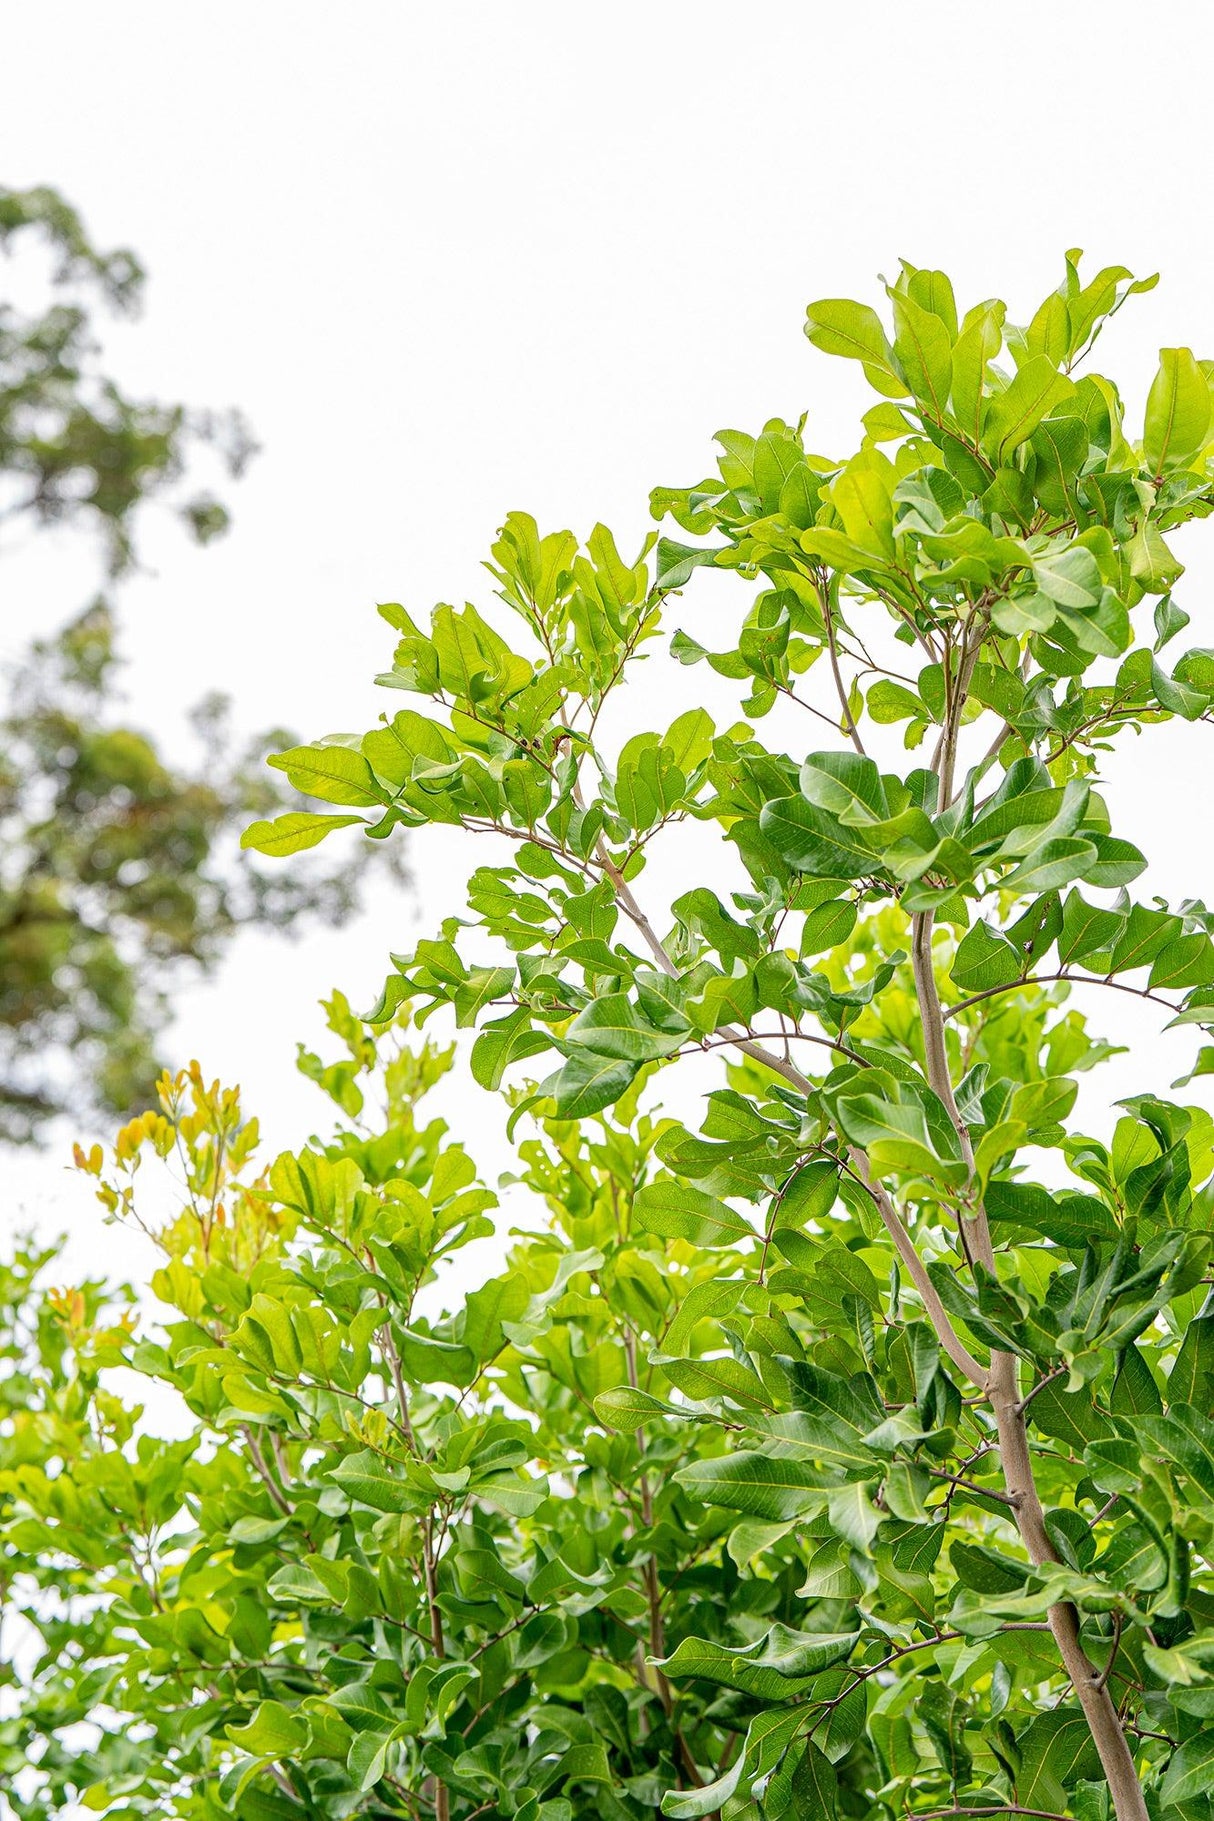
{"points": [[1003, 1386], [649, 1568], [442, 1802]]}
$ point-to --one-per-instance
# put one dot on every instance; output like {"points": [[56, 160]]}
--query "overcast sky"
{"points": [[456, 260]]}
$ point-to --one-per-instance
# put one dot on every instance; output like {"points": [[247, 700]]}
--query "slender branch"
{"points": [[807, 706], [731, 1036], [263, 1472], [388, 1343], [1000, 1381], [848, 723], [442, 1801], [986, 1492], [1041, 1384], [629, 905], [649, 1570], [658, 950], [1118, 986], [1107, 1671], [1003, 1808], [949, 1339]]}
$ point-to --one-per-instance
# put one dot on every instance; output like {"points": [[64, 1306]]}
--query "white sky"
{"points": [[455, 260]]}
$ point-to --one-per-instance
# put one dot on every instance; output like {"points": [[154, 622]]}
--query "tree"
{"points": [[116, 865], [74, 448], [823, 1462]]}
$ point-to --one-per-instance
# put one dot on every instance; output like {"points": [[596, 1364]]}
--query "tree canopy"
{"points": [[847, 1456], [118, 868]]}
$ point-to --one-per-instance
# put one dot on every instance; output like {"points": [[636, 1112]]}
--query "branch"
{"points": [[1041, 1384], [848, 724], [730, 1035], [442, 1800], [950, 1340], [1107, 1671], [986, 1492], [1118, 986], [263, 1472], [1002, 1808]]}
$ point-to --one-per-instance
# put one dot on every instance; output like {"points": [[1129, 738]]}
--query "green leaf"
{"points": [[297, 1583], [502, 1299], [775, 1668], [897, 1135], [671, 1209], [292, 833], [336, 774], [855, 331], [923, 348], [1013, 414], [888, 702], [1070, 577], [1054, 864], [715, 1376], [1190, 1772], [1185, 961], [814, 842], [586, 1764], [1087, 930], [774, 1490], [703, 1303], [1178, 412], [1185, 1436], [1191, 1380], [708, 1799], [272, 1731], [613, 1026], [626, 1408], [815, 1786], [677, 563], [503, 1042], [846, 785], [985, 958], [986, 1570], [587, 1083], [852, 1515], [828, 925], [364, 1478]]}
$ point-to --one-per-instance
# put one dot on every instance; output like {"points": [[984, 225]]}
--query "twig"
{"points": [[848, 724], [1105, 1673], [1002, 1808], [986, 1492], [263, 1472], [1041, 1384]]}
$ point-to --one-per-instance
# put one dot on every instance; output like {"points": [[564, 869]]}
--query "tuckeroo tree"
{"points": [[823, 1462]]}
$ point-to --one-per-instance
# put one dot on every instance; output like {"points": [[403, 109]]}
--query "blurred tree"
{"points": [[114, 865], [73, 447]]}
